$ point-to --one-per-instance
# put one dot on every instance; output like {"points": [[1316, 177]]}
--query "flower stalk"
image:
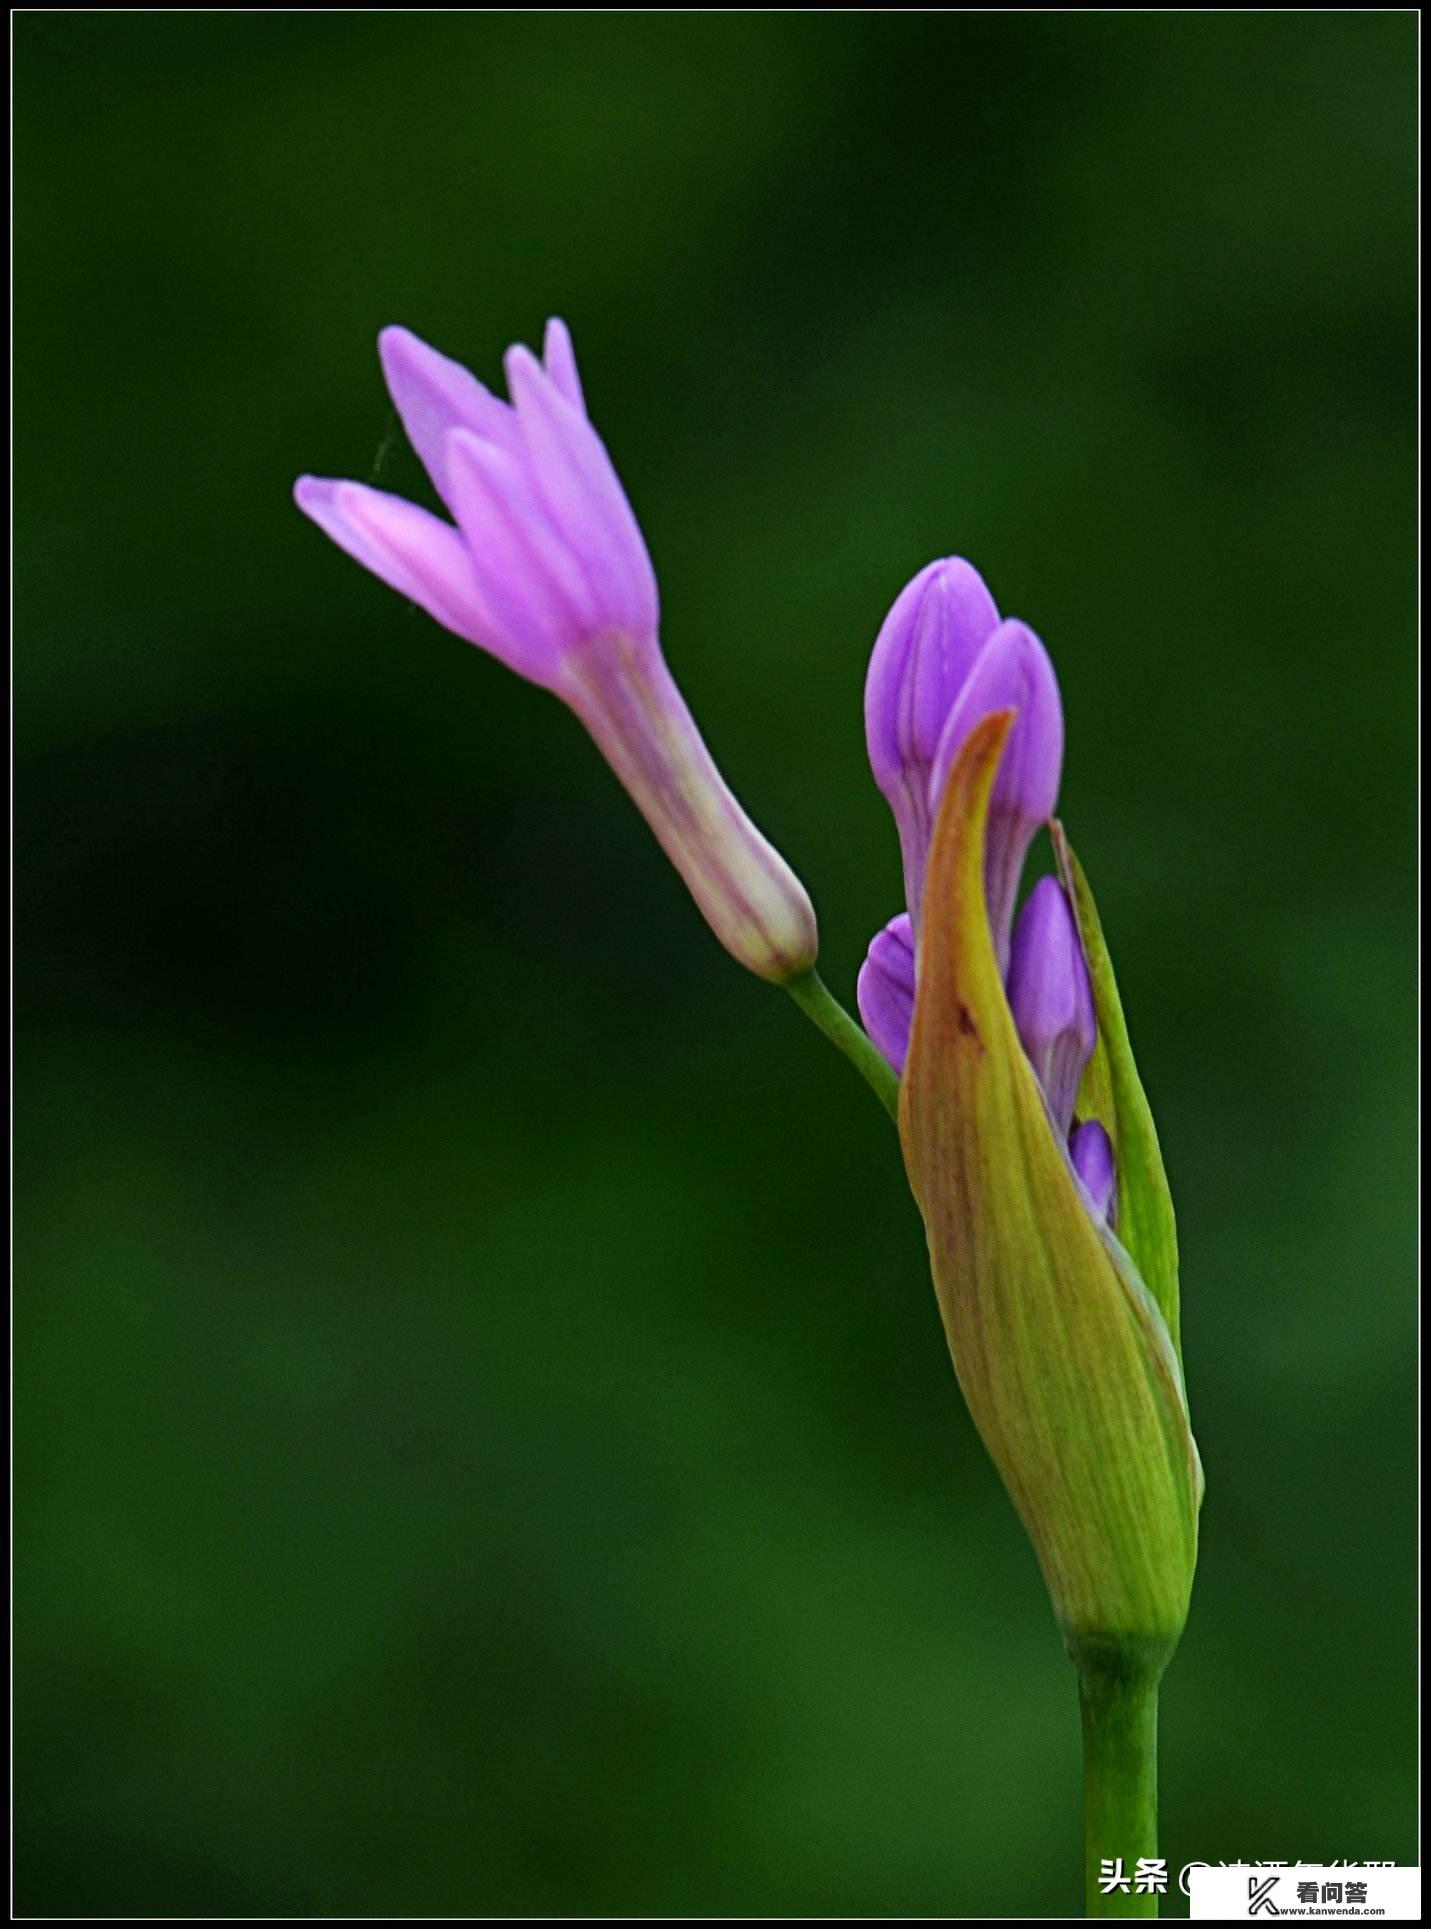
{"points": [[1118, 1702], [829, 1016]]}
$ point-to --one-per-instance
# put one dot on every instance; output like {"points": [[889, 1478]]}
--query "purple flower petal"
{"points": [[415, 553], [434, 395], [1050, 997], [584, 498], [528, 575], [885, 989], [1012, 671], [1091, 1150], [925, 650], [560, 359]]}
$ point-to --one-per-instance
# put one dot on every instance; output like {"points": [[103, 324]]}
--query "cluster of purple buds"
{"points": [[943, 661]]}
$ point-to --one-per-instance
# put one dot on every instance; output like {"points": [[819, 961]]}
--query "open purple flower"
{"points": [[543, 565]]}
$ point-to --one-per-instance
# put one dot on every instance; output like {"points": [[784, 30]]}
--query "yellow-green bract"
{"points": [[1063, 1354]]}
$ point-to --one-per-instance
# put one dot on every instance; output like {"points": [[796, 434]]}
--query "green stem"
{"points": [[835, 1022], [1118, 1695]]}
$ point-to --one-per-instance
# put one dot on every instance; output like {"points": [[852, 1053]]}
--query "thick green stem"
{"points": [[836, 1023], [1118, 1696]]}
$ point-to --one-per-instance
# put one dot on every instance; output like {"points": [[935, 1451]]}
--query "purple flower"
{"points": [[1011, 672], [544, 566], [922, 656], [1050, 996], [885, 990], [1091, 1150]]}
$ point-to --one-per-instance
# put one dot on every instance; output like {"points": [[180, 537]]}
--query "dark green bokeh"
{"points": [[485, 1442]]}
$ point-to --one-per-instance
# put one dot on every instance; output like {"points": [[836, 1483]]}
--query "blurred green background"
{"points": [[485, 1443]]}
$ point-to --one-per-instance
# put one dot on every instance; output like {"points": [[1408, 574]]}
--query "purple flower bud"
{"points": [[1050, 997], [885, 989], [1012, 672], [1091, 1150], [925, 649], [547, 570]]}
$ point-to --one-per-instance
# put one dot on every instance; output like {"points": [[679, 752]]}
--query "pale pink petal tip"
{"points": [[560, 358]]}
